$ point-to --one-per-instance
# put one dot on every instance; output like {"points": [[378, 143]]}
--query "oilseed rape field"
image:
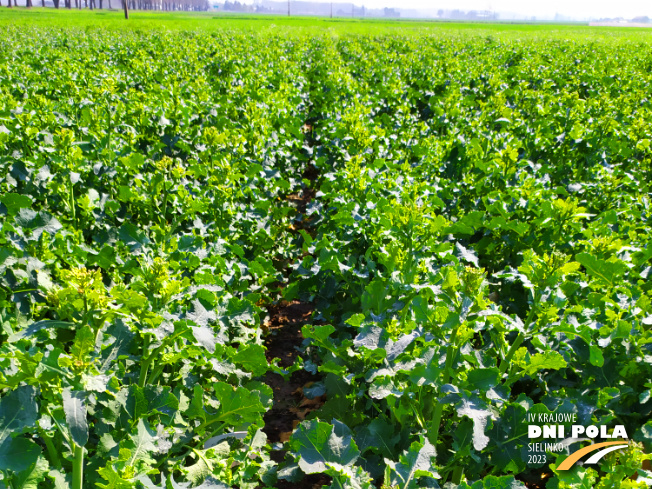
{"points": [[267, 252]]}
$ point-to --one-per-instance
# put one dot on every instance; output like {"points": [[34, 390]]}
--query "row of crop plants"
{"points": [[143, 189], [482, 253]]}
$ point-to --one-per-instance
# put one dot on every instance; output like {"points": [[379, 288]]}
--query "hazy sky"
{"points": [[574, 8], [542, 9]]}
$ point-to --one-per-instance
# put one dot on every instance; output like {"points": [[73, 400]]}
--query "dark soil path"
{"points": [[284, 341]]}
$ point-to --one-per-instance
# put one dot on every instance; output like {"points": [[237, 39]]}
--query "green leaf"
{"points": [[416, 462], [237, 404], [373, 298], [38, 223], [114, 480], [83, 346], [18, 410], [75, 410], [18, 454], [379, 436], [551, 360], [141, 445], [493, 482], [467, 255], [319, 446], [252, 359], [160, 400], [201, 469], [595, 356], [59, 480], [483, 379], [15, 202], [509, 434], [318, 332], [604, 272], [133, 237], [354, 477], [477, 411], [118, 342], [30, 478], [38, 326]]}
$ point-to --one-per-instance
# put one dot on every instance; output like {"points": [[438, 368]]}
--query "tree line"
{"points": [[186, 5]]}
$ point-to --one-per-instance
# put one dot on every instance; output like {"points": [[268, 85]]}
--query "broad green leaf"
{"points": [[33, 476], [60, 480], [141, 446], [319, 446], [466, 254], [38, 326], [374, 296], [37, 223], [118, 342], [350, 477], [197, 472], [14, 202], [477, 411], [318, 332], [133, 237], [160, 400], [238, 405], [605, 272], [83, 346], [114, 481], [416, 462], [251, 358], [595, 356], [18, 410], [482, 379], [378, 435], [510, 435], [75, 410], [18, 454], [551, 360]]}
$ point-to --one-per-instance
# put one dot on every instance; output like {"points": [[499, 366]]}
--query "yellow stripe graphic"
{"points": [[575, 456]]}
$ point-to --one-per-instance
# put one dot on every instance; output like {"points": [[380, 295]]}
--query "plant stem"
{"points": [[144, 366], [52, 451], [451, 353], [510, 353], [519, 339], [72, 202], [78, 468], [156, 373], [165, 203], [458, 471], [155, 354]]}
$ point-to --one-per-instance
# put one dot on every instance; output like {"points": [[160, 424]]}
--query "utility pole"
{"points": [[352, 9], [331, 9], [288, 8]]}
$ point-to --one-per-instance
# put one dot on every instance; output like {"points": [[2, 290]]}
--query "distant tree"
{"points": [[390, 12], [440, 13], [641, 19]]}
